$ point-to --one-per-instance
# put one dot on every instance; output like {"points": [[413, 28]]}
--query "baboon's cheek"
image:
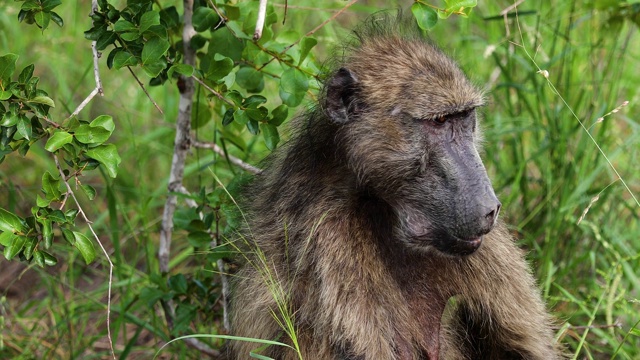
{"points": [[417, 225]]}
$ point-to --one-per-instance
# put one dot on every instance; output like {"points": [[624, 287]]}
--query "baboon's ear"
{"points": [[341, 102]]}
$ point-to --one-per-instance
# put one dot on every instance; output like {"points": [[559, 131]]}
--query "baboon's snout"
{"points": [[483, 218]]}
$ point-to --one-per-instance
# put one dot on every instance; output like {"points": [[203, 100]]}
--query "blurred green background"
{"points": [[547, 168]]}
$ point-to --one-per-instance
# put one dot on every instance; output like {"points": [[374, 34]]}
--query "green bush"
{"points": [[562, 144]]}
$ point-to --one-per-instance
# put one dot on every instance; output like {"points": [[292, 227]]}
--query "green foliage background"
{"points": [[546, 170]]}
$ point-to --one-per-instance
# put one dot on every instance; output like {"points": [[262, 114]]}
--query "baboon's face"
{"points": [[409, 129]]}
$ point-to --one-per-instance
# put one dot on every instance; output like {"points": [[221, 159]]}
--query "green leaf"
{"points": [[241, 117], [57, 216], [49, 259], [253, 127], [170, 17], [38, 257], [149, 19], [6, 238], [108, 156], [16, 246], [258, 114], [26, 74], [48, 5], [7, 67], [42, 100], [426, 16], [95, 32], [224, 42], [150, 296], [85, 246], [11, 222], [47, 233], [220, 67], [5, 95], [68, 235], [185, 315], [153, 50], [51, 186], [182, 69], [205, 18], [89, 190], [199, 238], [228, 117], [70, 215], [58, 140], [279, 115], [250, 79], [158, 31], [87, 134], [105, 40], [124, 58], [254, 101], [42, 202], [154, 68], [293, 87], [57, 19], [105, 122], [270, 134], [200, 115], [460, 5], [24, 127], [42, 19], [31, 5], [306, 45], [122, 26], [29, 246], [178, 283]]}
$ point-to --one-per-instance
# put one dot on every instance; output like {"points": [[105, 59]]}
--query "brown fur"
{"points": [[327, 224]]}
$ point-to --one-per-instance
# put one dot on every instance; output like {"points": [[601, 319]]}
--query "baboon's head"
{"points": [[407, 124]]}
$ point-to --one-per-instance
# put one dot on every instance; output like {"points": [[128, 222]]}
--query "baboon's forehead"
{"points": [[415, 72]]}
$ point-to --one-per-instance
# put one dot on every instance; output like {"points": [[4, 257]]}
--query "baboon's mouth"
{"points": [[464, 246]]}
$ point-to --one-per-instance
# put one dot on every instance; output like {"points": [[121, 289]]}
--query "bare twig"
{"points": [[96, 70], [217, 94], [180, 149], [145, 90], [262, 12], [505, 15], [104, 251], [232, 159], [97, 90], [181, 143]]}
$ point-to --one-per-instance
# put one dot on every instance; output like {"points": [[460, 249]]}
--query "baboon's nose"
{"points": [[492, 216]]}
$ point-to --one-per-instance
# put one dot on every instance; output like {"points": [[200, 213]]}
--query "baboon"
{"points": [[373, 232]]}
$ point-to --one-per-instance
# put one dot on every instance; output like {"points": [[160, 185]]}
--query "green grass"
{"points": [[545, 167]]}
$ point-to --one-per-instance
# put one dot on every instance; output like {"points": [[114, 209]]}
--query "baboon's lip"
{"points": [[466, 246]]}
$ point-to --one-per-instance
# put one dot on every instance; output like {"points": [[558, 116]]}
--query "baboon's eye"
{"points": [[440, 119]]}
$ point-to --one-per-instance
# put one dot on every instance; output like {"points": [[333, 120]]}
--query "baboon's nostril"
{"points": [[493, 214]]}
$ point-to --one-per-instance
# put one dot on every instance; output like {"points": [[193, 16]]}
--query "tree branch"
{"points": [[104, 251], [96, 71], [232, 159], [181, 142], [180, 149], [262, 12]]}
